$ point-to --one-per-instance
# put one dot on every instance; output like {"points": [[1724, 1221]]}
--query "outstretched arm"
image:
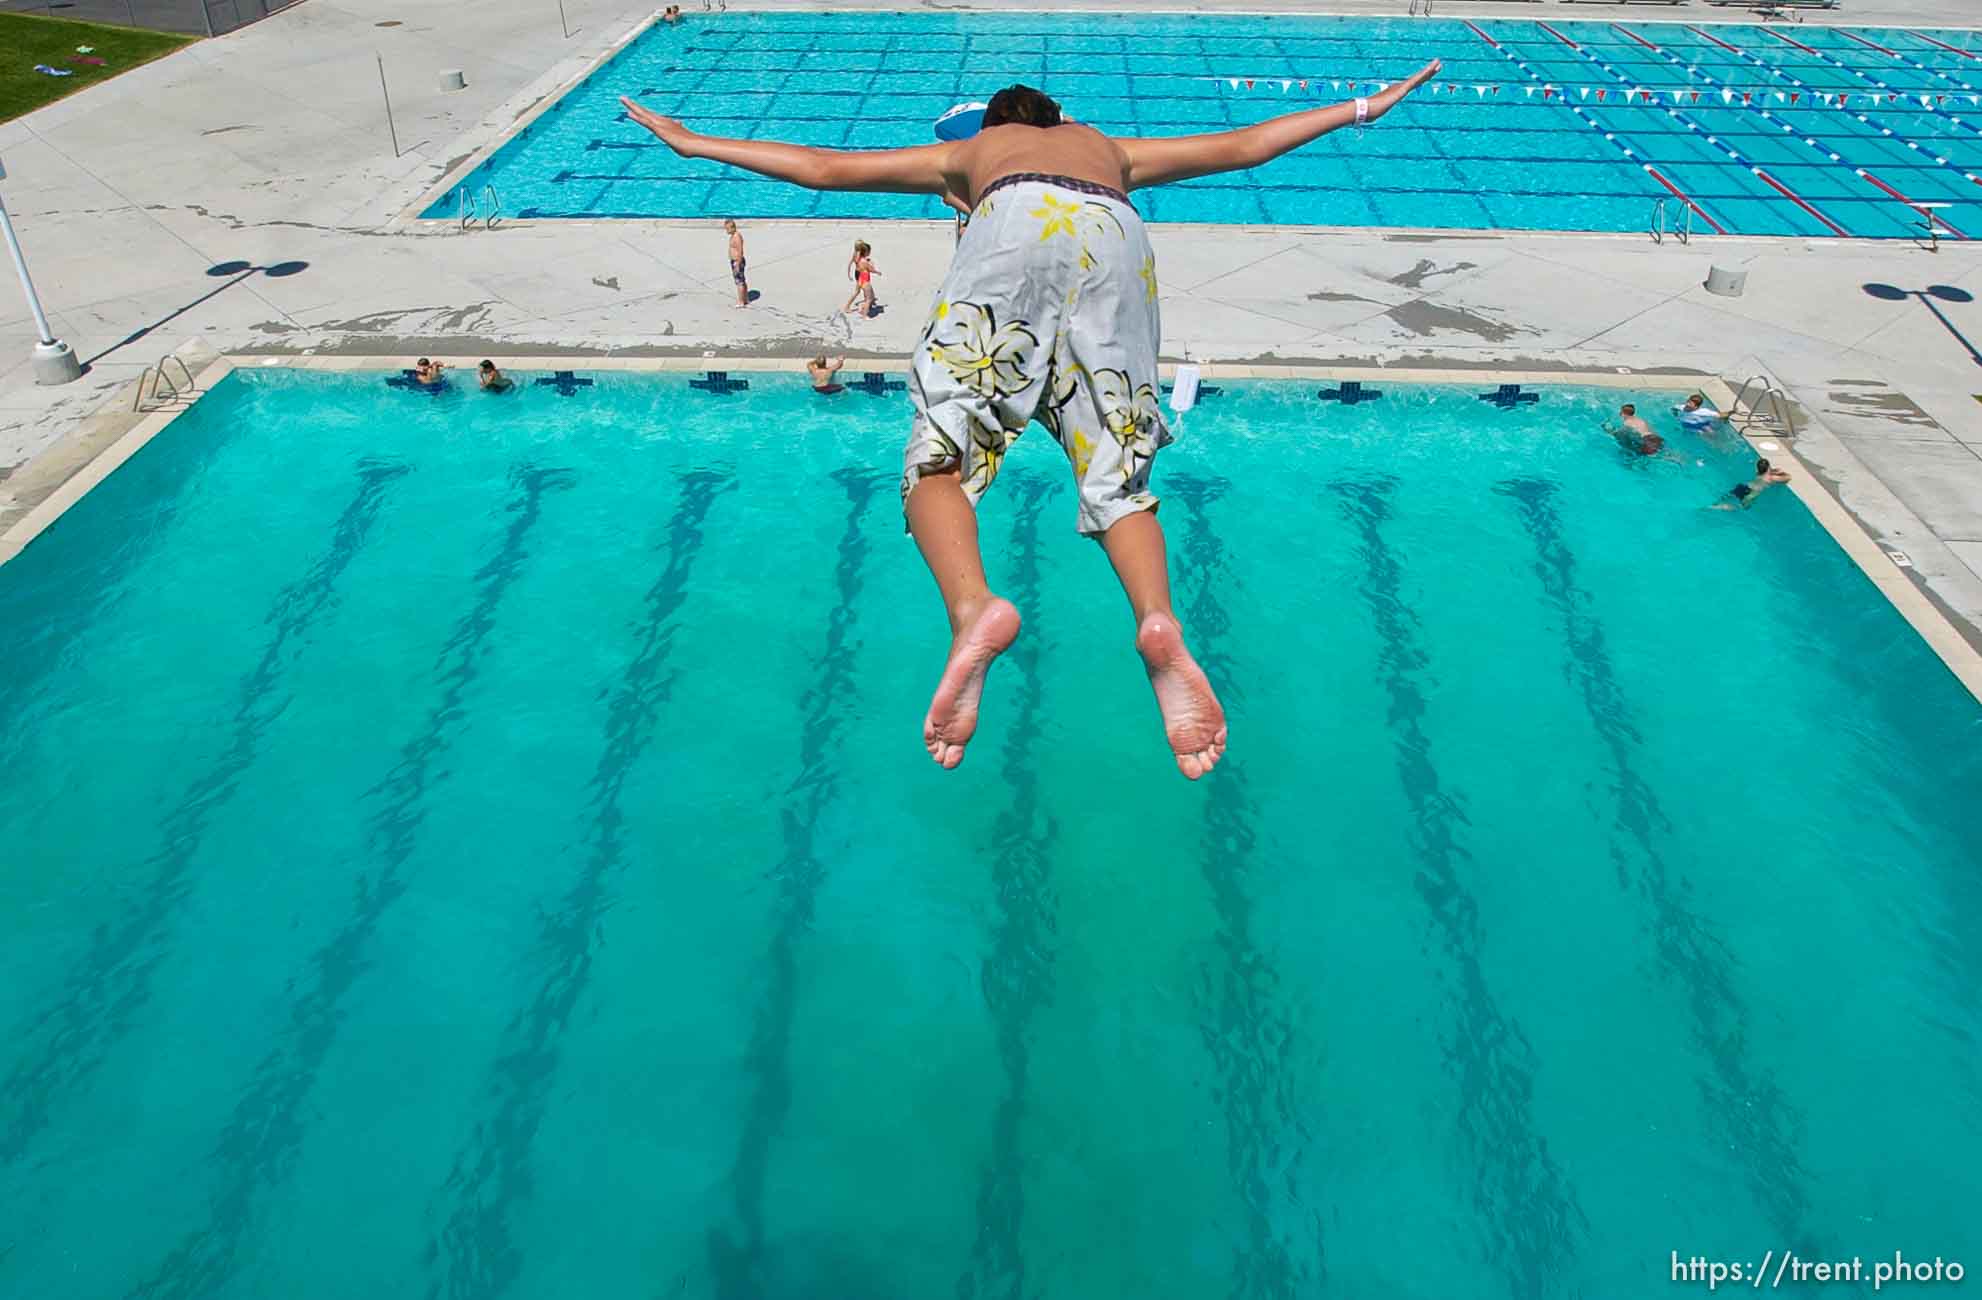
{"points": [[918, 170], [1178, 158]]}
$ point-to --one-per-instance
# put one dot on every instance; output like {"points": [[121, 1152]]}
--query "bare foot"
{"points": [[952, 719], [1191, 716]]}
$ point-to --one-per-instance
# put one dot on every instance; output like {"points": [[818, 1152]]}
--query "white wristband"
{"points": [[1362, 110]]}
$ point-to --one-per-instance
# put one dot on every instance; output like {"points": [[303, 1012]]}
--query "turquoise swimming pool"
{"points": [[471, 846], [1534, 124]]}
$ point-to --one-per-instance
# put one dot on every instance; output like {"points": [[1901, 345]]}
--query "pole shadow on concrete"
{"points": [[233, 272], [1944, 292]]}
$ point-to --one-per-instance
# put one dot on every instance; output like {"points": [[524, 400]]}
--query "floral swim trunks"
{"points": [[1049, 312]]}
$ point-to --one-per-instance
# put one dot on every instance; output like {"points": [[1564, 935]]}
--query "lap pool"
{"points": [[1534, 125], [468, 846]]}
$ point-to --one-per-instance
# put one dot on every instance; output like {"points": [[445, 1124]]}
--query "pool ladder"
{"points": [[1770, 408], [1420, 8], [159, 378], [470, 207], [1682, 229]]}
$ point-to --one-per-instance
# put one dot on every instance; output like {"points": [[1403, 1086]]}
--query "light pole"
{"points": [[53, 363]]}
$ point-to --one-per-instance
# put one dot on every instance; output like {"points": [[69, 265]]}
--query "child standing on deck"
{"points": [[861, 270], [1049, 312], [736, 264]]}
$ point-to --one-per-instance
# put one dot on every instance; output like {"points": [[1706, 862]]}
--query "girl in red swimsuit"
{"points": [[862, 271]]}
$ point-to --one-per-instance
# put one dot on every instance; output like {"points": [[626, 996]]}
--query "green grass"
{"points": [[26, 40]]}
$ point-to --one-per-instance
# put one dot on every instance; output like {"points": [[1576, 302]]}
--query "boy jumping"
{"points": [[1049, 312]]}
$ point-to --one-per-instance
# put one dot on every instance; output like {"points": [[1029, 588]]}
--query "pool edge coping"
{"points": [[408, 216], [1933, 625]]}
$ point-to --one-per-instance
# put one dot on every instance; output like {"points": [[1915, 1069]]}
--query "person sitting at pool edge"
{"points": [[822, 369], [1694, 412], [1049, 311], [671, 14], [427, 372], [493, 380], [1744, 494]]}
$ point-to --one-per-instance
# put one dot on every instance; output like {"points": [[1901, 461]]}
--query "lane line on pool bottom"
{"points": [[1715, 141], [1926, 101], [1016, 974], [1966, 54], [493, 1169], [1527, 1204], [100, 999], [1784, 74], [1611, 136], [1246, 1029], [1728, 93], [262, 1141], [1761, 1129]]}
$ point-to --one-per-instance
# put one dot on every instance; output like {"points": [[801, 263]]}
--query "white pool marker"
{"points": [[1769, 446], [271, 361], [1900, 558]]}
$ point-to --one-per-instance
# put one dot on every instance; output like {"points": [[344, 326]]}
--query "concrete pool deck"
{"points": [[269, 148]]}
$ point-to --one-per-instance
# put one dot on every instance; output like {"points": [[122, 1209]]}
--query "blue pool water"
{"points": [[482, 847], [1533, 126]]}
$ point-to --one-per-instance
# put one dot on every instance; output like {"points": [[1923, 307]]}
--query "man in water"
{"points": [[1633, 434], [823, 368], [1049, 311], [1744, 494], [492, 379], [1694, 413], [427, 372], [736, 263]]}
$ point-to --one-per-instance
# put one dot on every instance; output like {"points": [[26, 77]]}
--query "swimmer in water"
{"points": [[427, 372], [823, 370], [1694, 413], [1049, 312], [1744, 494], [492, 379], [1633, 434]]}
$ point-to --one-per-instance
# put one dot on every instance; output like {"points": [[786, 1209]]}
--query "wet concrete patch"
{"points": [[1884, 404], [1422, 316], [1426, 269], [1325, 296]]}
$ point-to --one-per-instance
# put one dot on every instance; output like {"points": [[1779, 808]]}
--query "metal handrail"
{"points": [[1784, 415], [464, 209], [157, 377], [1682, 230], [191, 386], [495, 207]]}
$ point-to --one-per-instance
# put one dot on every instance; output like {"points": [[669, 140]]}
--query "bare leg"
{"points": [[981, 625], [1192, 718]]}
